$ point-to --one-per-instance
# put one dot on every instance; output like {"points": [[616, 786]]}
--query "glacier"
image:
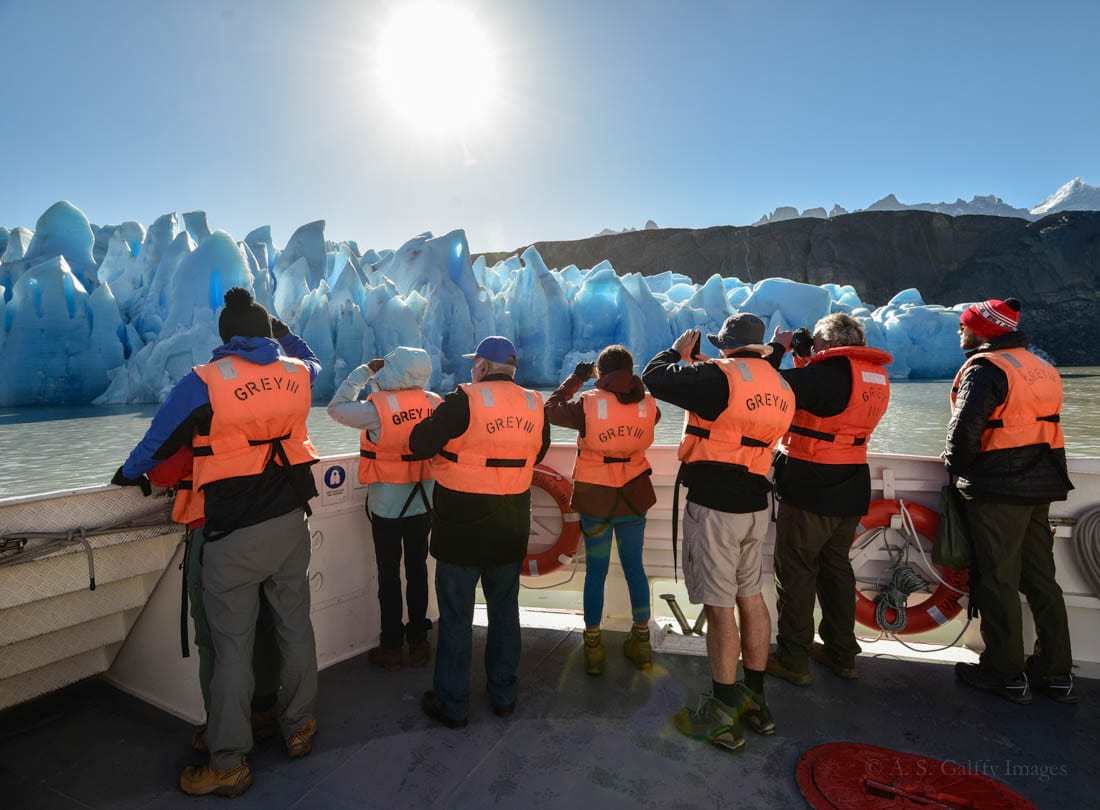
{"points": [[117, 314]]}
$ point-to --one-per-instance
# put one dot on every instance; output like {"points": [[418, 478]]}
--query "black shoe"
{"points": [[432, 706], [1015, 688], [1059, 688], [504, 711], [819, 653]]}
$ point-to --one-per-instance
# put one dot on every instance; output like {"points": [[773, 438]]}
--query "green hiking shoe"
{"points": [[753, 710], [713, 722], [819, 653], [778, 669], [594, 654], [637, 649]]}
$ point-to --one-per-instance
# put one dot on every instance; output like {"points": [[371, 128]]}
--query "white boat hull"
{"points": [[54, 631]]}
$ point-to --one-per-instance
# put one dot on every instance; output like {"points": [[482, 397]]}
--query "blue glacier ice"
{"points": [[119, 313]]}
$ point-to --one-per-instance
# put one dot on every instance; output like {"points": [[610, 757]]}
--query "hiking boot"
{"points": [[300, 742], [265, 724], [778, 669], [388, 658], [202, 780], [594, 654], [1015, 688], [752, 708], [198, 740], [420, 653], [821, 655], [1059, 688], [637, 649], [432, 705], [713, 722]]}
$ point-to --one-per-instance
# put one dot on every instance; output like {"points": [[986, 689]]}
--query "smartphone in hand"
{"points": [[697, 348]]}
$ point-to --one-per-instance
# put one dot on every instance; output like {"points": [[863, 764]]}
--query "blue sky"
{"points": [[610, 113]]}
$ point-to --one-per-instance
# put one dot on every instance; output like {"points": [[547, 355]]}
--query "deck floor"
{"points": [[574, 741]]}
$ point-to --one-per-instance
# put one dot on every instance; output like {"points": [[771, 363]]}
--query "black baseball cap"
{"points": [[742, 329]]}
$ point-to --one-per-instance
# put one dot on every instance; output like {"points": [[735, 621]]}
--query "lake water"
{"points": [[43, 449]]}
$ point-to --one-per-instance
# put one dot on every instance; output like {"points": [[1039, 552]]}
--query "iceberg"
{"points": [[119, 313]]}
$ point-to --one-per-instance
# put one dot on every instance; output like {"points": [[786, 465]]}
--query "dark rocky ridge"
{"points": [[1052, 265]]}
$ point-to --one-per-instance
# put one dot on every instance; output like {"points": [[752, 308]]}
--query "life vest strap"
{"points": [[1000, 423], [704, 433], [187, 485], [616, 460], [391, 456], [857, 441], [489, 462]]}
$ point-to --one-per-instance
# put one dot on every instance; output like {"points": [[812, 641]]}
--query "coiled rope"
{"points": [[895, 596], [1086, 548]]}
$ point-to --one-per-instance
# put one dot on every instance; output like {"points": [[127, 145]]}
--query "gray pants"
{"points": [[272, 555]]}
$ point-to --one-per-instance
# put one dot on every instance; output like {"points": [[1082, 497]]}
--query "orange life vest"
{"points": [[496, 455], [259, 414], [612, 450], [389, 460], [1032, 411], [189, 506], [842, 439], [758, 413]]}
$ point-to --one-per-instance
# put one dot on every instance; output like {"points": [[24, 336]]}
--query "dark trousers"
{"points": [[391, 536], [811, 560], [1014, 554], [454, 587]]}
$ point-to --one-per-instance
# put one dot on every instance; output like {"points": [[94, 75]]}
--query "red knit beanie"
{"points": [[992, 318]]}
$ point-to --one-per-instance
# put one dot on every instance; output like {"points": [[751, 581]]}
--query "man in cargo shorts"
{"points": [[738, 408]]}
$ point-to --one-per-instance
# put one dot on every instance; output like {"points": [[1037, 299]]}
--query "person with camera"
{"points": [[612, 489], [399, 492], [1006, 454], [823, 483], [738, 408]]}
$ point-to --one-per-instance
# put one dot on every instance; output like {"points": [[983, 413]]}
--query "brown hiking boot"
{"points": [[198, 740], [300, 742], [420, 653], [388, 658], [594, 653], [778, 669], [637, 648], [202, 780], [819, 654], [265, 725]]}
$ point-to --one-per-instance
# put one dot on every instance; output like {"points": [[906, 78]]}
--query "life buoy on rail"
{"points": [[943, 605], [564, 549]]}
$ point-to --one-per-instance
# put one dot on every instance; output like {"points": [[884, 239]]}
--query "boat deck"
{"points": [[574, 741]]}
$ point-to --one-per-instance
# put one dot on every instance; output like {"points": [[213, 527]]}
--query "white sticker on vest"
{"points": [[874, 377], [290, 367], [487, 396], [937, 615], [229, 372], [532, 403], [601, 408], [391, 400]]}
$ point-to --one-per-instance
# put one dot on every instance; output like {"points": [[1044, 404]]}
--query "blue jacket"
{"points": [[188, 403]]}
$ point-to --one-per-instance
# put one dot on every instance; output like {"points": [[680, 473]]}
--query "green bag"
{"points": [[953, 548]]}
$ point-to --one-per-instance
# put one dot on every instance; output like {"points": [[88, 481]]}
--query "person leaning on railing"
{"points": [[612, 488], [1006, 453]]}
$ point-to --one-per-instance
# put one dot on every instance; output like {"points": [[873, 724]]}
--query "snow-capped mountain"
{"points": [[1076, 195], [650, 225]]}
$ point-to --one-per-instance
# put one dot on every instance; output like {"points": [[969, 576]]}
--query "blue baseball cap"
{"points": [[496, 349]]}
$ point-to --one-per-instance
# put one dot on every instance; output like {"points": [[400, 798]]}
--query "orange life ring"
{"points": [[944, 603], [564, 549]]}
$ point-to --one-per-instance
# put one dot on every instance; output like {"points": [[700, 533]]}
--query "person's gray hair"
{"points": [[499, 368], [840, 329]]}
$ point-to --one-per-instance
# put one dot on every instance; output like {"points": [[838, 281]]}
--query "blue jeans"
{"points": [[454, 588], [629, 531]]}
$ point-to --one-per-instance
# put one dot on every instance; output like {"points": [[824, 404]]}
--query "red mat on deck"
{"points": [[851, 776]]}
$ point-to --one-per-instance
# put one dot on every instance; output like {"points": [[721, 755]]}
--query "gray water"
{"points": [[44, 449]]}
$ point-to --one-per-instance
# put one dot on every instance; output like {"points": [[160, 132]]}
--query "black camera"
{"points": [[802, 342]]}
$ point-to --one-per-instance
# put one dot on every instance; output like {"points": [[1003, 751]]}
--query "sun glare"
{"points": [[437, 67]]}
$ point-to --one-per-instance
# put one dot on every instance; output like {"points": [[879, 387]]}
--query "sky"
{"points": [[604, 114]]}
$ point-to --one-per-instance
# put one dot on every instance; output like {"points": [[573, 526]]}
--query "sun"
{"points": [[437, 68]]}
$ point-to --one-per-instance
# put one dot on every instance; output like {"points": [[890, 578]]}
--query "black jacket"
{"points": [[1034, 474], [702, 389], [837, 490], [467, 528]]}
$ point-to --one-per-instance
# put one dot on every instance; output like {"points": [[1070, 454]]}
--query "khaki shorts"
{"points": [[722, 560]]}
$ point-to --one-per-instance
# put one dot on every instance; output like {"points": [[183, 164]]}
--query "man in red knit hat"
{"points": [[1006, 455]]}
